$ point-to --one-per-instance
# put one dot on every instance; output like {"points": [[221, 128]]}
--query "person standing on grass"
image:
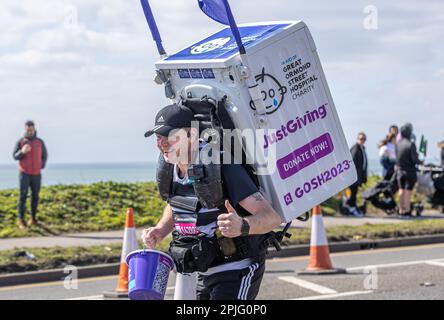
{"points": [[360, 160], [31, 153], [387, 154], [407, 159]]}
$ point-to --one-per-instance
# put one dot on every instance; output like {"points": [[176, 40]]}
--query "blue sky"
{"points": [[87, 82]]}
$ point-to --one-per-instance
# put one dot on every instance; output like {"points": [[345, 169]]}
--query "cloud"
{"points": [[34, 58], [414, 36], [88, 65], [81, 39]]}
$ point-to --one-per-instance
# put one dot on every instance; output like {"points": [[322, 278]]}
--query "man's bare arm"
{"points": [[264, 218], [153, 235], [166, 223]]}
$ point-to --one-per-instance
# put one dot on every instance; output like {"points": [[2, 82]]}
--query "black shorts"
{"points": [[406, 180], [240, 284]]}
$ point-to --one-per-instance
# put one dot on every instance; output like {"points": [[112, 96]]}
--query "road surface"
{"points": [[395, 273]]}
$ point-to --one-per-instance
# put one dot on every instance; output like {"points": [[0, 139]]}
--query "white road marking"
{"points": [[436, 263], [308, 285], [393, 265], [337, 295]]}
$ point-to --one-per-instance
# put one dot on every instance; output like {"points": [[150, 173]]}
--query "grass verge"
{"points": [[98, 207], [82, 208]]}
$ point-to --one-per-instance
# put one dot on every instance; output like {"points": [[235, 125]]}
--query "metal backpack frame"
{"points": [[256, 96]]}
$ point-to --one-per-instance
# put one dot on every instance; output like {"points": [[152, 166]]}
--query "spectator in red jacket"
{"points": [[31, 153]]}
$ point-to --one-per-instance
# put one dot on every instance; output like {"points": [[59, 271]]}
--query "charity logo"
{"points": [[273, 93], [210, 45]]}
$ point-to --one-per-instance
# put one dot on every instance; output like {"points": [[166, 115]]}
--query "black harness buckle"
{"points": [[243, 249]]}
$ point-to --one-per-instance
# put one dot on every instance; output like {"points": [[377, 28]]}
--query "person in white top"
{"points": [[387, 155]]}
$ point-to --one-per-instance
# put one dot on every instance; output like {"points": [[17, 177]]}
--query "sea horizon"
{"points": [[83, 173], [87, 173]]}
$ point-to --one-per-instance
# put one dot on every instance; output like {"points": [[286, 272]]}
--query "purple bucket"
{"points": [[148, 272]]}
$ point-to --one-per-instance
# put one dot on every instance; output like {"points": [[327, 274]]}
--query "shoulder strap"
{"points": [[164, 177]]}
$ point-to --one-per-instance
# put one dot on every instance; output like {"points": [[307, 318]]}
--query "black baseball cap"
{"points": [[169, 118]]}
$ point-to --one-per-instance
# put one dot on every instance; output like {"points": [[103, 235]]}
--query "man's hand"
{"points": [[230, 224], [152, 236], [26, 148]]}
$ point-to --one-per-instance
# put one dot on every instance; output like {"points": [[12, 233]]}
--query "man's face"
{"points": [[361, 139], [176, 147], [30, 131]]}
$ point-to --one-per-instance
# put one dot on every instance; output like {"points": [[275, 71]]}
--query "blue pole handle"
{"points": [[234, 28], [153, 26]]}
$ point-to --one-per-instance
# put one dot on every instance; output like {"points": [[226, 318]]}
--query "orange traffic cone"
{"points": [[320, 262], [129, 244]]}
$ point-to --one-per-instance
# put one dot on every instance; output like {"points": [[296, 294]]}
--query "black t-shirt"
{"points": [[237, 185], [407, 156]]}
